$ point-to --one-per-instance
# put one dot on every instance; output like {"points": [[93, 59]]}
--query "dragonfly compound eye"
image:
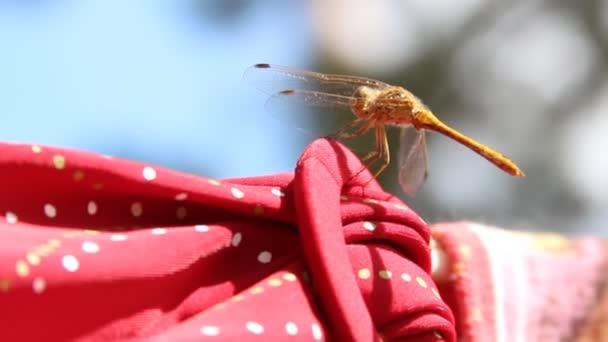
{"points": [[396, 96]]}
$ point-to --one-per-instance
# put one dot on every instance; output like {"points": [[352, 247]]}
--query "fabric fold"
{"points": [[99, 248]]}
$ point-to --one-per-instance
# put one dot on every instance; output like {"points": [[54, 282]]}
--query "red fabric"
{"points": [[99, 248]]}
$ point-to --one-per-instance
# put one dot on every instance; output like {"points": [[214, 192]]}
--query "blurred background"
{"points": [[161, 82]]}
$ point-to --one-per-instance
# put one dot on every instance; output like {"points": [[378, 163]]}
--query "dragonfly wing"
{"points": [[313, 102], [312, 111], [413, 160], [273, 79]]}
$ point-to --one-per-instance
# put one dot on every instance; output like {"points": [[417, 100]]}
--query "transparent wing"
{"points": [[315, 103], [312, 111], [413, 161], [273, 79]]}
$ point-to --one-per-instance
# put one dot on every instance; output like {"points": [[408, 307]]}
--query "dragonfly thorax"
{"points": [[393, 105]]}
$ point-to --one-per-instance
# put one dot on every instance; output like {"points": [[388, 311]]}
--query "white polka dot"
{"points": [[59, 162], [181, 213], [118, 237], [255, 327], [265, 257], [258, 209], [406, 277], [92, 208], [236, 239], [236, 192], [201, 228], [50, 210], [385, 274], [369, 226], [149, 173], [210, 330], [78, 175], [290, 276], [22, 268], [70, 263], [400, 206], [10, 217], [364, 273], [90, 247], [256, 290], [421, 282], [291, 328], [317, 334], [159, 231], [33, 258], [436, 293], [275, 282], [137, 209], [182, 196], [39, 285], [277, 192]]}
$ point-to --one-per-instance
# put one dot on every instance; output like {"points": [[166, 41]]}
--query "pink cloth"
{"points": [[517, 286]]}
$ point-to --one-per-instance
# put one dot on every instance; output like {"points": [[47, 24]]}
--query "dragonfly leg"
{"points": [[371, 158], [381, 154], [345, 134], [384, 155], [344, 131]]}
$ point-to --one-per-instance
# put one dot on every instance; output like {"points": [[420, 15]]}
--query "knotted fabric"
{"points": [[99, 248]]}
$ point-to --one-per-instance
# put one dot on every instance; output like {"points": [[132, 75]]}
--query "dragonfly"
{"points": [[371, 106]]}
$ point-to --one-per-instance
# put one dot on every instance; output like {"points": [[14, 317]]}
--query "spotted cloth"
{"points": [[100, 248]]}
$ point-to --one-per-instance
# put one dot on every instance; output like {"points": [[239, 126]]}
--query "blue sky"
{"points": [[149, 80]]}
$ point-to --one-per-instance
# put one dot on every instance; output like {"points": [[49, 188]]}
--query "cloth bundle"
{"points": [[98, 248]]}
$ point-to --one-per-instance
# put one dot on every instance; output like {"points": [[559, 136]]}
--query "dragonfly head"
{"points": [[365, 97]]}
